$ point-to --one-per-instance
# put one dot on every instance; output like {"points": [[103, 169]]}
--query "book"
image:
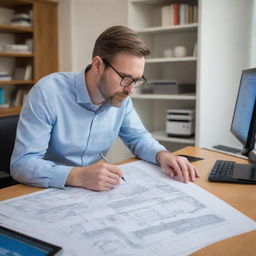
{"points": [[182, 14], [28, 72], [2, 96], [4, 76], [21, 48], [21, 19], [20, 97], [195, 13], [165, 15], [175, 7]]}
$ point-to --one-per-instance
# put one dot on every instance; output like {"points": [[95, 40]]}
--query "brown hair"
{"points": [[119, 39]]}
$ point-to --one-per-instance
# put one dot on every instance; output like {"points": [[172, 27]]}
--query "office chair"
{"points": [[8, 127]]}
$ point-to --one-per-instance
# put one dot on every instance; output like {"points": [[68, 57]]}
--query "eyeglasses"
{"points": [[127, 80]]}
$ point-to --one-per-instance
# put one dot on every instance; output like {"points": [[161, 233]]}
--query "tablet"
{"points": [[15, 243]]}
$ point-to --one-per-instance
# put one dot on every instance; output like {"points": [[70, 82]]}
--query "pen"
{"points": [[106, 160]]}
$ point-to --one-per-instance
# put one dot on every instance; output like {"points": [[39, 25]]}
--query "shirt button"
{"points": [[90, 139]]}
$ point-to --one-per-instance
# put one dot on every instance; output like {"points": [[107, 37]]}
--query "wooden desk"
{"points": [[240, 196]]}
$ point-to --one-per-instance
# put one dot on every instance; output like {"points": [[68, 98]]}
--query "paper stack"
{"points": [[21, 19], [4, 76], [19, 48]]}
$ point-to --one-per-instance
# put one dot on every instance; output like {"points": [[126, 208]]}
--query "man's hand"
{"points": [[177, 166], [99, 176]]}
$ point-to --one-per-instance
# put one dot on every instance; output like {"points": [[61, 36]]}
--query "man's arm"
{"points": [[99, 176], [137, 138], [34, 132], [177, 166], [144, 146], [33, 135]]}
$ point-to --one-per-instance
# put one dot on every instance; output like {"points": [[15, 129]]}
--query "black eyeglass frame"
{"points": [[143, 79]]}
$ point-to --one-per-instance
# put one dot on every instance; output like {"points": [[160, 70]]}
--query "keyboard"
{"points": [[222, 171]]}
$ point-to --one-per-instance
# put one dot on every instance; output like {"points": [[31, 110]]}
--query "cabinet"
{"points": [[43, 33], [144, 16]]}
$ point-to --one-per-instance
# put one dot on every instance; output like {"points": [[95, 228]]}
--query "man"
{"points": [[69, 118]]}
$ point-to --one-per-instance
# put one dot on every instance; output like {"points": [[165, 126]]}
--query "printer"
{"points": [[180, 123]]}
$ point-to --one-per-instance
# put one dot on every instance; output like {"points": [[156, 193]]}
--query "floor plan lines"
{"points": [[146, 215]]}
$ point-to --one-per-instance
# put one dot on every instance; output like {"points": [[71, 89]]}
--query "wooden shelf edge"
{"points": [[16, 54], [10, 111], [17, 82], [5, 28], [15, 3]]}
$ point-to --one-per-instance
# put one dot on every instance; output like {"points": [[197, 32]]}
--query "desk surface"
{"points": [[240, 196]]}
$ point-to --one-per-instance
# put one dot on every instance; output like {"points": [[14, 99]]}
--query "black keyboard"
{"points": [[222, 171]]}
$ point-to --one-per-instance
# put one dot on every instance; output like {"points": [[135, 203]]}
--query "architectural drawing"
{"points": [[145, 214]]}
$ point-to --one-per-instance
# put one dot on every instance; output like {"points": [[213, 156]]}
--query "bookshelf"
{"points": [[145, 17], [42, 60]]}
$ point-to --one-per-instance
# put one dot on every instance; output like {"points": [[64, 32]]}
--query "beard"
{"points": [[116, 99]]}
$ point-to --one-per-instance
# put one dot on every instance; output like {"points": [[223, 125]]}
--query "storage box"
{"points": [[172, 87]]}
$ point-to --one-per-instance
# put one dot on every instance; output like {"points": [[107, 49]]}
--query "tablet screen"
{"points": [[14, 243]]}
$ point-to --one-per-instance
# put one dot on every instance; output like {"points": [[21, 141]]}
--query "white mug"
{"points": [[168, 53], [180, 51]]}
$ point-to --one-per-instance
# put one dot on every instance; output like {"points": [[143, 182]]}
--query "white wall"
{"points": [[80, 23], [65, 36], [225, 38], [88, 19]]}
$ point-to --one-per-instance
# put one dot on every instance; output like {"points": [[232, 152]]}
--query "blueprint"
{"points": [[149, 214]]}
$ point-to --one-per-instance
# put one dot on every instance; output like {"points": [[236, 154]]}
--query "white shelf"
{"points": [[150, 2], [165, 29], [161, 136], [165, 96], [144, 16], [173, 59]]}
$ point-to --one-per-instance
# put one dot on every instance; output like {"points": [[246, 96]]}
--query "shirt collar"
{"points": [[82, 95]]}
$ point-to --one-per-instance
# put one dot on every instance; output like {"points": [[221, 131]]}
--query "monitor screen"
{"points": [[244, 108]]}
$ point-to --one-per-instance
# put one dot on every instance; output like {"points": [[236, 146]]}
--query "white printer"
{"points": [[180, 123]]}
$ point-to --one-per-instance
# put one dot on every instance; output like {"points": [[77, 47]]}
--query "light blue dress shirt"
{"points": [[59, 128]]}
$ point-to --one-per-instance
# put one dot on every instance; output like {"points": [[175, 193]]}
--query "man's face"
{"points": [[109, 82]]}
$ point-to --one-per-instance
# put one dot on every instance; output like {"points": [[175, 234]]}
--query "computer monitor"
{"points": [[243, 125]]}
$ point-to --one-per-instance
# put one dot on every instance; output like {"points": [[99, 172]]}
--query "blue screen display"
{"points": [[14, 247], [244, 106]]}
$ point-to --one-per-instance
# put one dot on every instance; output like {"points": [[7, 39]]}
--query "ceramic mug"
{"points": [[180, 51], [168, 53]]}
